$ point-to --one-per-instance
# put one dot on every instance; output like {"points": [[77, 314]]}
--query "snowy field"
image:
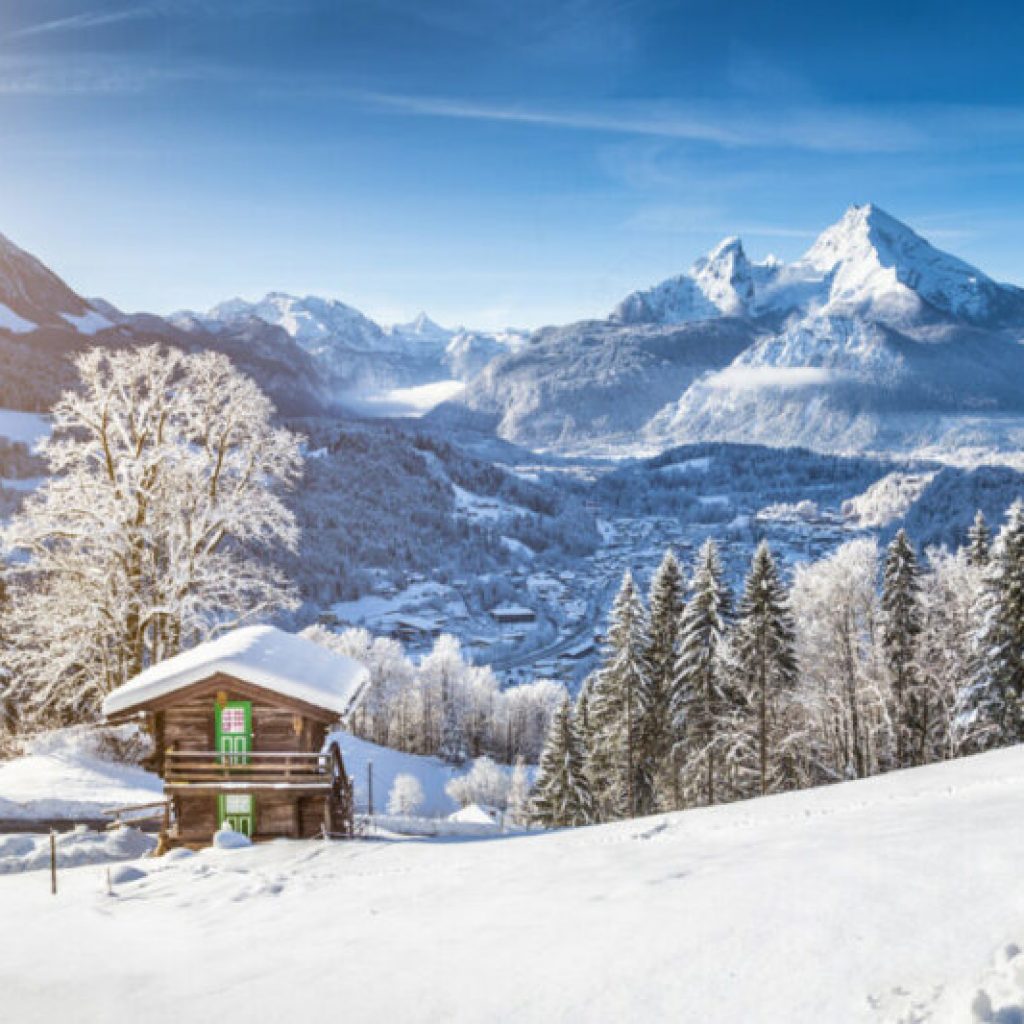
{"points": [[899, 898], [64, 775]]}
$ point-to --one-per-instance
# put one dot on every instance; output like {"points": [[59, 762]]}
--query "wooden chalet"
{"points": [[240, 726]]}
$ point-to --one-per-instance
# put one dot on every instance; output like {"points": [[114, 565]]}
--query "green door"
{"points": [[237, 810], [233, 722]]}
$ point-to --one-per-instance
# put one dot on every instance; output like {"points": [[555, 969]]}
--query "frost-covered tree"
{"points": [[485, 783], [379, 714], [769, 740], [155, 530], [562, 794], [901, 626], [979, 540], [519, 794], [835, 605], [406, 796], [620, 702], [950, 594], [700, 698], [665, 614], [994, 703]]}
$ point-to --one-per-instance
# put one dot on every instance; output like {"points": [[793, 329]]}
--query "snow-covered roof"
{"points": [[475, 814], [517, 610], [261, 655]]}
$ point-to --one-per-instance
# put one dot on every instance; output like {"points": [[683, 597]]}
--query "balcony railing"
{"points": [[249, 770]]}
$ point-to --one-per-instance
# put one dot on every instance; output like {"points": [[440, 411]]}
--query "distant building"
{"points": [[414, 629], [512, 614]]}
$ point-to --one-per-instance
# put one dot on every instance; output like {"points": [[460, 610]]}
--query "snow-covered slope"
{"points": [[33, 297], [895, 899], [67, 774]]}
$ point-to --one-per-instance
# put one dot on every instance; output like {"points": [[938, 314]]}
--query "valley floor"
{"points": [[892, 899]]}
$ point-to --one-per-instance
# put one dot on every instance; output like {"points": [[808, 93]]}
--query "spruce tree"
{"points": [[900, 629], [562, 794], [994, 703], [620, 703], [765, 675], [666, 610], [699, 697], [979, 541]]}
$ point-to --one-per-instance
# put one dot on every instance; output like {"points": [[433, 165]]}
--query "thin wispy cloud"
{"points": [[101, 76], [822, 129], [86, 20], [814, 127]]}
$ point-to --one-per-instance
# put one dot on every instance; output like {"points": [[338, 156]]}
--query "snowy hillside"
{"points": [[67, 774], [31, 297], [889, 900]]}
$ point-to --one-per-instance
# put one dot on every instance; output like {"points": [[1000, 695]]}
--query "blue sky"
{"points": [[492, 162]]}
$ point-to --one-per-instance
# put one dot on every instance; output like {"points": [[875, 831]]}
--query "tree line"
{"points": [[862, 664]]}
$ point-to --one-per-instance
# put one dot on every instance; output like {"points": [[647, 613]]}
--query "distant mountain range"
{"points": [[874, 340], [311, 354], [353, 354]]}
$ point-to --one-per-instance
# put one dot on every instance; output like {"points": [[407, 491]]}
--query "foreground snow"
{"points": [[894, 899]]}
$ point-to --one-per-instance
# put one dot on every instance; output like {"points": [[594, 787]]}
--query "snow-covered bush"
{"points": [[406, 796], [485, 783]]}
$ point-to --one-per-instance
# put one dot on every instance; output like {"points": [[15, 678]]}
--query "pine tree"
{"points": [[979, 541], [562, 794], [452, 748], [699, 699], [765, 674], [993, 713], [900, 629], [620, 704], [666, 610]]}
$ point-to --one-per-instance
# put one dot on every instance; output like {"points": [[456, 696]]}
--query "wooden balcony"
{"points": [[198, 771]]}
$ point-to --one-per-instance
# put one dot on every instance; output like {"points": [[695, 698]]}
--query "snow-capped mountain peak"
{"points": [[312, 321], [877, 266], [718, 284], [725, 277], [867, 264], [420, 329]]}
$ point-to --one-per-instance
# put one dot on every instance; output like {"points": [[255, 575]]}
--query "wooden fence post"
{"points": [[53, 861]]}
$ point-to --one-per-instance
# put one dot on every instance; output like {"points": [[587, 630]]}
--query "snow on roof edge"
{"points": [[262, 655]]}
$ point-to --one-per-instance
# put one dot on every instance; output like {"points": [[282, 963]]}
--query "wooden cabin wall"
{"points": [[277, 815], [196, 816], [188, 724]]}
